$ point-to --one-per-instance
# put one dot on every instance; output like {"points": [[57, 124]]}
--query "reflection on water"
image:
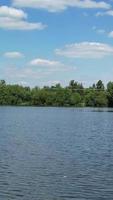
{"points": [[56, 154], [102, 109]]}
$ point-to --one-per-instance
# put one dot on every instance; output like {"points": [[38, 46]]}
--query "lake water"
{"points": [[56, 153]]}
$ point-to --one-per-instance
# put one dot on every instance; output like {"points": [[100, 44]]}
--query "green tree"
{"points": [[100, 85], [110, 94]]}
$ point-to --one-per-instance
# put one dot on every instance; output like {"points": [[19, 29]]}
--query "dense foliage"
{"points": [[73, 95]]}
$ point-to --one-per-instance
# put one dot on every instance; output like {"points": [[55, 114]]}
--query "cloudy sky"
{"points": [[43, 42]]}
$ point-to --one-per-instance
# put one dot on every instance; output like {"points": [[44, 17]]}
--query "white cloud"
{"points": [[13, 55], [23, 83], [109, 13], [52, 82], [99, 31], [86, 50], [44, 63], [15, 19], [13, 24], [22, 73], [110, 34], [50, 66], [59, 5], [32, 73], [6, 11]]}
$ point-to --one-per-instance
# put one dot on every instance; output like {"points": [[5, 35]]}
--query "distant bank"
{"points": [[72, 95]]}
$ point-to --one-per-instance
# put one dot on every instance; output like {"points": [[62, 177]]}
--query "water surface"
{"points": [[56, 153]]}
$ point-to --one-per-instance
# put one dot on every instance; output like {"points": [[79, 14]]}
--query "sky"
{"points": [[45, 42]]}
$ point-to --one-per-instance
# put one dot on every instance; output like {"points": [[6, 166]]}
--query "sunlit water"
{"points": [[56, 154]]}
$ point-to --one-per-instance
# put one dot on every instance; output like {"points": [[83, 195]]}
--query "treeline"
{"points": [[73, 95]]}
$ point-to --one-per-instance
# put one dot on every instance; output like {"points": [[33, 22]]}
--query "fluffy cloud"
{"points": [[44, 63], [13, 55], [13, 24], [109, 13], [21, 73], [110, 34], [50, 66], [6, 11], [32, 73], [86, 50], [59, 5], [15, 19]]}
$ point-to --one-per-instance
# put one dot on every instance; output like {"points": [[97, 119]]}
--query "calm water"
{"points": [[56, 154]]}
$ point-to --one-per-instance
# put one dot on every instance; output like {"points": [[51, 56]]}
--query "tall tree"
{"points": [[100, 85]]}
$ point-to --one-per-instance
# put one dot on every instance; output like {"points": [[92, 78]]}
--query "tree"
{"points": [[110, 94], [73, 84], [94, 98], [93, 86], [100, 85], [73, 95], [2, 82], [75, 99]]}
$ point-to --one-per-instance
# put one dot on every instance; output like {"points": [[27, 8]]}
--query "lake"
{"points": [[56, 153]]}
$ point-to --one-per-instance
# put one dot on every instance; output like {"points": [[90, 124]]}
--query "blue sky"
{"points": [[44, 42]]}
